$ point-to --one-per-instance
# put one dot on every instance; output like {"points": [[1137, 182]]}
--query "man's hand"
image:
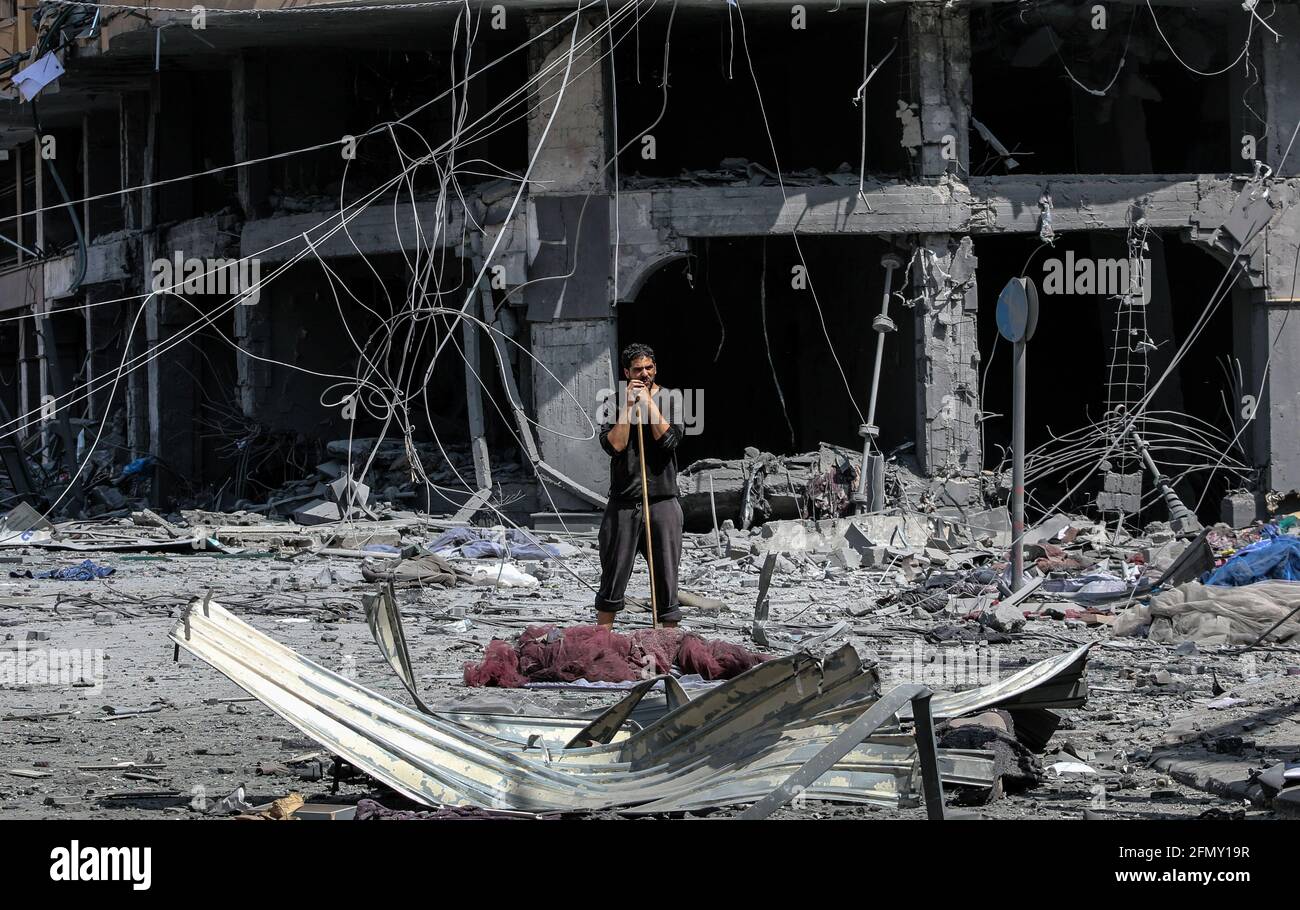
{"points": [[637, 393]]}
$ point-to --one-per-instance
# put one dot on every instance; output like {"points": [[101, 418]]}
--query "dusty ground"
{"points": [[205, 738]]}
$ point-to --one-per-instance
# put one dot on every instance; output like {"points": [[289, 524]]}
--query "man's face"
{"points": [[642, 370]]}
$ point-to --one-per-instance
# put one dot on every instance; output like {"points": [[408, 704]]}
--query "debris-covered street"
{"points": [[1175, 727]]}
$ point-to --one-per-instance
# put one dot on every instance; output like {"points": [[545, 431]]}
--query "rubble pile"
{"points": [[1182, 645]]}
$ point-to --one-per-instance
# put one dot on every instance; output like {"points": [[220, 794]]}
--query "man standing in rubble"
{"points": [[622, 530]]}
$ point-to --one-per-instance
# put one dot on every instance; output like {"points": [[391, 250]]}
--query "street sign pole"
{"points": [[1017, 318], [1018, 466]]}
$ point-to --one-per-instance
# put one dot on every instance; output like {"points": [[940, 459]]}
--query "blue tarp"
{"points": [[139, 466], [477, 543], [86, 571], [1276, 559]]}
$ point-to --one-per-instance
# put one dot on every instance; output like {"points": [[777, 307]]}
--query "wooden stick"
{"points": [[645, 508]]}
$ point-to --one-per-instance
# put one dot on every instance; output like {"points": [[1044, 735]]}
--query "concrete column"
{"points": [[106, 328], [577, 351], [143, 379], [28, 381], [1250, 334], [947, 433], [580, 355], [133, 126], [572, 159], [137, 388], [1275, 337], [947, 357], [1271, 330], [1281, 90], [253, 334], [172, 397], [250, 131], [1277, 435], [940, 47], [135, 160], [171, 394]]}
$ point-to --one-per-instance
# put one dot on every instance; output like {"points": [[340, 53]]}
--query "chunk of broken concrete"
{"points": [[317, 512], [1006, 618], [1287, 803], [845, 557]]}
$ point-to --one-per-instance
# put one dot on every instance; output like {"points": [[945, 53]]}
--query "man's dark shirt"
{"points": [[660, 462]]}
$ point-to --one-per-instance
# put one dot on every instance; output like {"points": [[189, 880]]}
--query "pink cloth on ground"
{"points": [[596, 654]]}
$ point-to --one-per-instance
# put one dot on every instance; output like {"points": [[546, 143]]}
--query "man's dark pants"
{"points": [[622, 536]]}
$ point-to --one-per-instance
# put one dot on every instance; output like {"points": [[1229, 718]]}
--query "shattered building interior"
{"points": [[306, 278]]}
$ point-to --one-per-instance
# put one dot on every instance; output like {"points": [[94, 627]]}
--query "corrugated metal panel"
{"points": [[732, 744]]}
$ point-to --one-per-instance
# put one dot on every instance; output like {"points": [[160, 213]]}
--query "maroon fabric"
{"points": [[659, 645], [500, 667], [547, 654], [596, 654], [715, 659]]}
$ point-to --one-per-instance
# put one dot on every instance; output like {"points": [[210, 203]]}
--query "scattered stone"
{"points": [[1007, 618]]}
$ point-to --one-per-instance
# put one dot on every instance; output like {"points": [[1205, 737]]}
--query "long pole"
{"points": [[713, 506], [645, 510], [869, 496], [1018, 468]]}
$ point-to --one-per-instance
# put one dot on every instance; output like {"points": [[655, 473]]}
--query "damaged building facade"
{"points": [[240, 232]]}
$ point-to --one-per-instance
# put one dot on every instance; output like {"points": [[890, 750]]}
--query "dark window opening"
{"points": [[807, 78], [8, 207], [704, 317], [70, 340], [1070, 381], [303, 413], [194, 135], [212, 371], [1156, 117], [10, 369], [105, 163], [60, 235], [354, 91]]}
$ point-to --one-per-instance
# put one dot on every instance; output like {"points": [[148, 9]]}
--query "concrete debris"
{"points": [[308, 584], [1007, 618]]}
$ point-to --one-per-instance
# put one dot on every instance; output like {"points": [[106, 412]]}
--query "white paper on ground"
{"points": [[503, 574], [1070, 767]]}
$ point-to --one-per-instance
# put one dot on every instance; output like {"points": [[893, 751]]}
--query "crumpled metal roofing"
{"points": [[732, 744]]}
